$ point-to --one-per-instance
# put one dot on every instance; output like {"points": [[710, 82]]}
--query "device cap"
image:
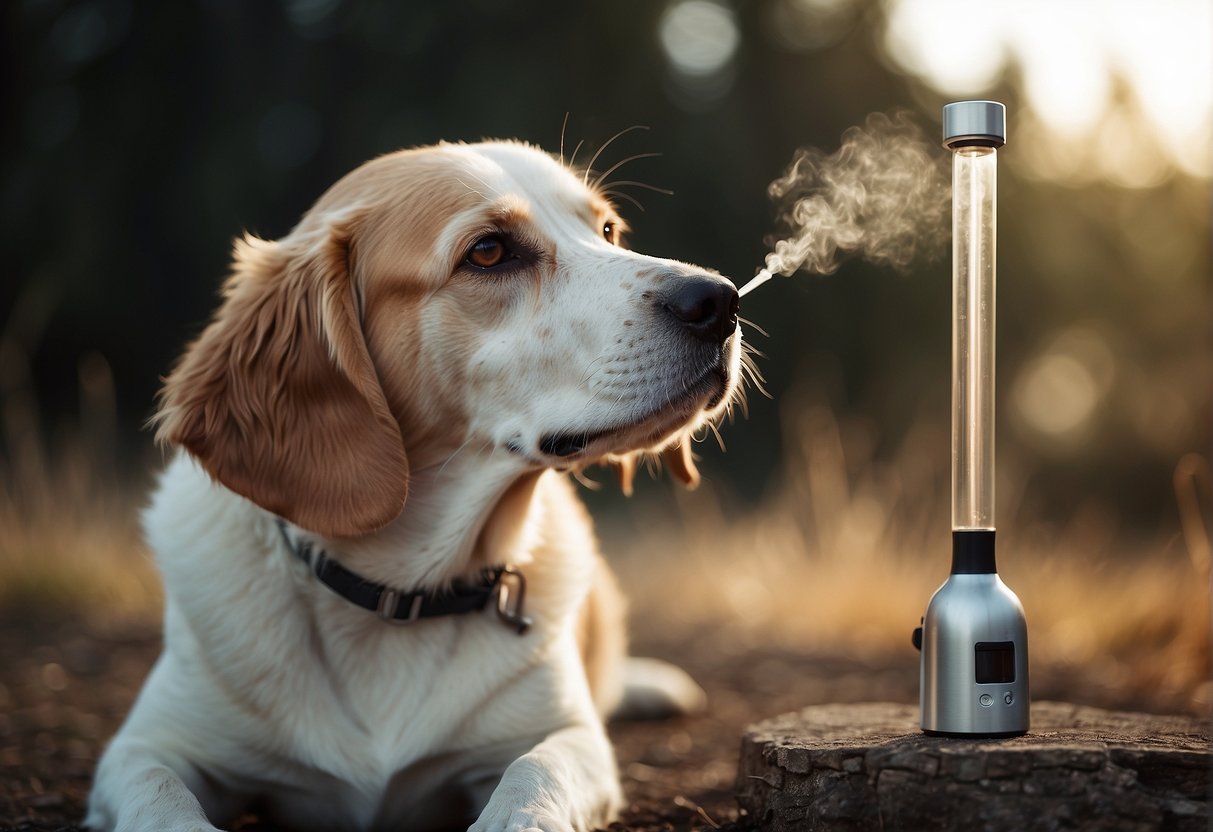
{"points": [[980, 123]]}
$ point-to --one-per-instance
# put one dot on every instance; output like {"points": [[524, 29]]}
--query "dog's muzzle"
{"points": [[704, 306]]}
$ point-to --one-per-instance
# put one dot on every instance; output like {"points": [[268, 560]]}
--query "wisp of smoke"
{"points": [[884, 195]]}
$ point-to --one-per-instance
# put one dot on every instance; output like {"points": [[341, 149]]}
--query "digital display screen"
{"points": [[994, 662]]}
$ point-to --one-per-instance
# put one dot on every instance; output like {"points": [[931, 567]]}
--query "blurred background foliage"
{"points": [[141, 137]]}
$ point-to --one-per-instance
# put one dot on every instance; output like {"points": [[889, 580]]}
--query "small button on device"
{"points": [[1009, 698], [986, 700]]}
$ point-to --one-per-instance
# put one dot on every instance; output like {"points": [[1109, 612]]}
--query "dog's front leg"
{"points": [[567, 782], [139, 789]]}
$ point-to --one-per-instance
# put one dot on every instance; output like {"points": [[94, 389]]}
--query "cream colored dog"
{"points": [[374, 429]]}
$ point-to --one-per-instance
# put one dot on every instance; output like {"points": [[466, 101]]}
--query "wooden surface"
{"points": [[869, 767]]}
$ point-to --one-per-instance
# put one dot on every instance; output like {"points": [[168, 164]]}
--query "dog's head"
{"points": [[456, 298]]}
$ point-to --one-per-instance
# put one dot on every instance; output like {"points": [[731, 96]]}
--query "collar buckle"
{"points": [[511, 602], [389, 604]]}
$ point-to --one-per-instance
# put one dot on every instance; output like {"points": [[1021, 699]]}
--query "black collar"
{"points": [[400, 607]]}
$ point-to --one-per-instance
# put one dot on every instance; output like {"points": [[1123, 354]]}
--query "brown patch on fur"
{"points": [[602, 639], [408, 198], [278, 398], [499, 536]]}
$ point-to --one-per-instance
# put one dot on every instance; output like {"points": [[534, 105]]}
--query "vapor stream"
{"points": [[884, 195]]}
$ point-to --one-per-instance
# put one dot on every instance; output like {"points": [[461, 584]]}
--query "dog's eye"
{"points": [[488, 252], [608, 231]]}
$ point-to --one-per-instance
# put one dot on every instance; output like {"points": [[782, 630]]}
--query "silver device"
{"points": [[973, 638]]}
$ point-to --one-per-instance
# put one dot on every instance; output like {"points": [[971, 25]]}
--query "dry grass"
{"points": [[841, 557], [845, 554], [68, 526]]}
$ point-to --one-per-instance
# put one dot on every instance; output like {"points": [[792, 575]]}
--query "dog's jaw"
{"points": [[700, 400]]}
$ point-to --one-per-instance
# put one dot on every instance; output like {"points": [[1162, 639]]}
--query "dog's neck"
{"points": [[460, 516]]}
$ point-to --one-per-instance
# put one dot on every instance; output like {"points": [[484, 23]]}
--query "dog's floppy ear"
{"points": [[681, 462], [278, 398]]}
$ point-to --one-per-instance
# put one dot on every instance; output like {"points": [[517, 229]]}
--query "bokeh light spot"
{"points": [[88, 30], [807, 25], [957, 53], [309, 13], [699, 37], [1072, 56], [1057, 393]]}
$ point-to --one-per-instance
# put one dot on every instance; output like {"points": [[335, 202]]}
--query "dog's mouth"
{"points": [[704, 393]]}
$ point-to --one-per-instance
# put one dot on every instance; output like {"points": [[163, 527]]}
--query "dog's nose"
{"points": [[705, 305]]}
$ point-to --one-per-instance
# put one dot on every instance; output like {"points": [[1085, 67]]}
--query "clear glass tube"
{"points": [[974, 180]]}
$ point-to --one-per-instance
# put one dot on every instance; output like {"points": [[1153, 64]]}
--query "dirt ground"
{"points": [[66, 682]]}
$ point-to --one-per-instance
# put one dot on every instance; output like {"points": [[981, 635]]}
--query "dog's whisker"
{"points": [[564, 126], [473, 190], [585, 179], [706, 428], [589, 369], [622, 195], [753, 326], [623, 393], [738, 402], [589, 372], [637, 184], [750, 349], [620, 164], [749, 369], [456, 453], [742, 401], [482, 181]]}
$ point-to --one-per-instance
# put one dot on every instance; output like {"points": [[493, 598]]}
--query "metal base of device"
{"points": [[974, 642], [1001, 735]]}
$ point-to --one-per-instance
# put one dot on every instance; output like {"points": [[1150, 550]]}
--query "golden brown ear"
{"points": [[681, 462], [278, 398]]}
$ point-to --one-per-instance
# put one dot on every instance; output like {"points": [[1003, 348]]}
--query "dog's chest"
{"points": [[293, 686], [413, 691]]}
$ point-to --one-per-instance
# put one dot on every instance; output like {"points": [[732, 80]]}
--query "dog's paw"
{"points": [[525, 805], [97, 822], [520, 821], [91, 825], [503, 816]]}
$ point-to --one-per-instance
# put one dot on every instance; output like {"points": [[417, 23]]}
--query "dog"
{"points": [[384, 604]]}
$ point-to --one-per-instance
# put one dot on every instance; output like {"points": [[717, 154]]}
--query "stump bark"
{"points": [[869, 767]]}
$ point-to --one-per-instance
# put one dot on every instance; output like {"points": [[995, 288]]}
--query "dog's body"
{"points": [[448, 325]]}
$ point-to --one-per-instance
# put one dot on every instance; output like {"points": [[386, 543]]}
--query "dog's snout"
{"points": [[706, 306]]}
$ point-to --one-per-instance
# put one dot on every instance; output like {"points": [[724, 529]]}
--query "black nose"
{"points": [[706, 306]]}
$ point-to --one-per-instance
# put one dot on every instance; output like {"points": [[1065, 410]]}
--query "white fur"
{"points": [[273, 685], [273, 693]]}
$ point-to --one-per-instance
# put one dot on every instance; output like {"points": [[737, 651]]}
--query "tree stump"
{"points": [[869, 767]]}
